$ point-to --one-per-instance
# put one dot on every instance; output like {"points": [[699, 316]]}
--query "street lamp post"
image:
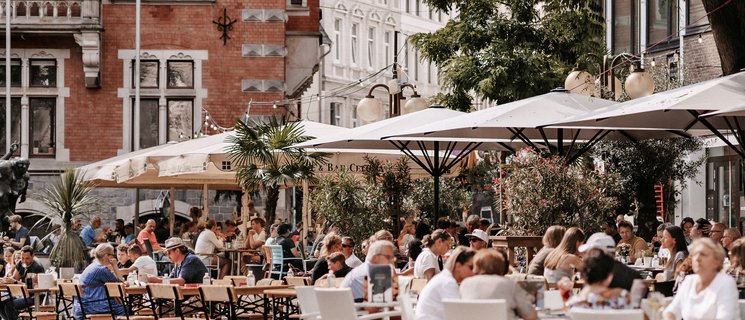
{"points": [[369, 108], [638, 84]]}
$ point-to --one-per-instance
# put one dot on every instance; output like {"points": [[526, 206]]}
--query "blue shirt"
{"points": [[192, 269], [87, 234], [94, 291]]}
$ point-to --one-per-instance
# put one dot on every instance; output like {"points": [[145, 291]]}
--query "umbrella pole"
{"points": [[172, 209], [136, 221], [306, 212], [206, 200], [436, 171]]}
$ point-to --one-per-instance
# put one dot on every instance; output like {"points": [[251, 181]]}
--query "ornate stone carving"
{"points": [[90, 42]]}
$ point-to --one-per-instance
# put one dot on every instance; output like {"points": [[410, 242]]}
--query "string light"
{"points": [[653, 62], [700, 40]]}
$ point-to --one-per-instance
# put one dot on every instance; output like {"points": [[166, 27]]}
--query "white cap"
{"points": [[601, 241], [479, 234]]}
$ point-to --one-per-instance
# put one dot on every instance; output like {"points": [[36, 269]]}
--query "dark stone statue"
{"points": [[13, 184]]}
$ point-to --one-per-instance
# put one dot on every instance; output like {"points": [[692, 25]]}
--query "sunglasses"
{"points": [[347, 246], [475, 239]]}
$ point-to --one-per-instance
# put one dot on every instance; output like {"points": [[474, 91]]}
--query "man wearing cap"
{"points": [[478, 238], [623, 276], [188, 268]]}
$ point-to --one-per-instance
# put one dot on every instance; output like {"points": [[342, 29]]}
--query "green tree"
{"points": [[509, 50], [68, 197], [267, 160], [453, 199], [393, 181]]}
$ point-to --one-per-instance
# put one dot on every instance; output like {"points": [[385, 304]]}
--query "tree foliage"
{"points": [[267, 160], [543, 191], [453, 199], [508, 50]]}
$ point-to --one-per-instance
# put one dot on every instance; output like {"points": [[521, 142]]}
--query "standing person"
{"points": [[435, 245], [122, 258], [445, 284], [188, 268], [143, 264], [148, 233], [489, 283], [102, 270], [564, 261], [347, 248], [709, 293], [551, 240], [207, 248], [674, 242], [21, 236], [638, 245], [597, 293]]}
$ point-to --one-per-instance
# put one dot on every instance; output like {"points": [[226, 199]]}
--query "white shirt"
{"points": [[146, 265], [717, 302], [425, 261], [261, 236], [442, 286], [207, 243], [355, 280], [353, 261]]}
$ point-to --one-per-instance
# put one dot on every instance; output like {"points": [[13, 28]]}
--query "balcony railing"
{"points": [[42, 14]]}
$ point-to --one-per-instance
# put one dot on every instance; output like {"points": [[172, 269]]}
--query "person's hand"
{"points": [[251, 232], [5, 238], [154, 279]]}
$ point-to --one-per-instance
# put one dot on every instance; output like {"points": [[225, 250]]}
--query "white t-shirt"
{"points": [[442, 286], [146, 265], [353, 261], [207, 243], [718, 301], [425, 261], [260, 236]]}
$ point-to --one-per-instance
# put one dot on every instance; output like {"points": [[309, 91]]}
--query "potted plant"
{"points": [[67, 198], [623, 250]]}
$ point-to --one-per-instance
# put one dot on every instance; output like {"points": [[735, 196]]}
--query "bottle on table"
{"points": [[166, 279], [250, 279], [206, 279], [132, 279], [290, 272], [331, 278]]}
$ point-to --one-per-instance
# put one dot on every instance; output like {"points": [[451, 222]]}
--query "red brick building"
{"points": [[72, 80]]}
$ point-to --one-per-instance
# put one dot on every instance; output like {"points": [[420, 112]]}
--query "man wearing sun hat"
{"points": [[188, 268], [623, 276], [478, 239]]}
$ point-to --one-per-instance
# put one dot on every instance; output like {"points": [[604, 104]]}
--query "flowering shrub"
{"points": [[539, 192]]}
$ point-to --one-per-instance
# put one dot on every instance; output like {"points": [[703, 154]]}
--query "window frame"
{"points": [[355, 43], [20, 72], [132, 123], [52, 129], [371, 47], [31, 73], [191, 133], [337, 39], [157, 75], [168, 73]]}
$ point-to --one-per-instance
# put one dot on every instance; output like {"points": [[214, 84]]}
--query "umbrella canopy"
{"points": [[435, 157]]}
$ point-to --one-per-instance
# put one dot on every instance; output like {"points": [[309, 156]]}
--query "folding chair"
{"points": [[19, 291], [217, 301], [70, 292], [165, 300], [114, 292]]}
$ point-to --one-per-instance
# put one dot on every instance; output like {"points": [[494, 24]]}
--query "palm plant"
{"points": [[68, 197], [266, 160]]}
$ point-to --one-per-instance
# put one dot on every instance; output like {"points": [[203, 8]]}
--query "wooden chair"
{"points": [[589, 314], [339, 304], [217, 301], [71, 292], [236, 280], [222, 282], [324, 283], [297, 281], [115, 292], [165, 300], [19, 291], [475, 309], [417, 285]]}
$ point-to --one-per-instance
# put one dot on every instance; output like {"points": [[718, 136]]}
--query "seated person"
{"points": [[122, 258], [490, 283], [637, 244], [10, 265], [331, 244], [102, 270], [207, 247], [289, 249], [188, 268], [598, 274], [20, 238], [143, 264]]}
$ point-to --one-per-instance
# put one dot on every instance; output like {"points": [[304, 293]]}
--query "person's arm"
{"points": [[727, 303], [216, 242], [115, 270]]}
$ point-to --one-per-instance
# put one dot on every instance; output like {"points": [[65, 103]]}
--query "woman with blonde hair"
{"points": [[563, 261], [708, 293], [737, 261], [102, 270], [551, 240], [405, 237]]}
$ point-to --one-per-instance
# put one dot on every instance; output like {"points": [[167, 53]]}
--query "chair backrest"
{"points": [[222, 282], [267, 254], [306, 297], [589, 314], [148, 247], [407, 307], [324, 283], [475, 309], [275, 252], [17, 290], [68, 290], [742, 309], [275, 283], [297, 281], [417, 285], [236, 280], [220, 293], [115, 289], [162, 291], [335, 303], [264, 282]]}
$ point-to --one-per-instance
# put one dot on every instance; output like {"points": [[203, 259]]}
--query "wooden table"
{"points": [[252, 300], [37, 292], [235, 255], [283, 305]]}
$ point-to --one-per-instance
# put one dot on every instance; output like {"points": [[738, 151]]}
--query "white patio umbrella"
{"points": [[522, 120], [435, 157], [677, 109]]}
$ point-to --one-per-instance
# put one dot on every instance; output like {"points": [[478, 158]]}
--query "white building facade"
{"points": [[361, 54]]}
